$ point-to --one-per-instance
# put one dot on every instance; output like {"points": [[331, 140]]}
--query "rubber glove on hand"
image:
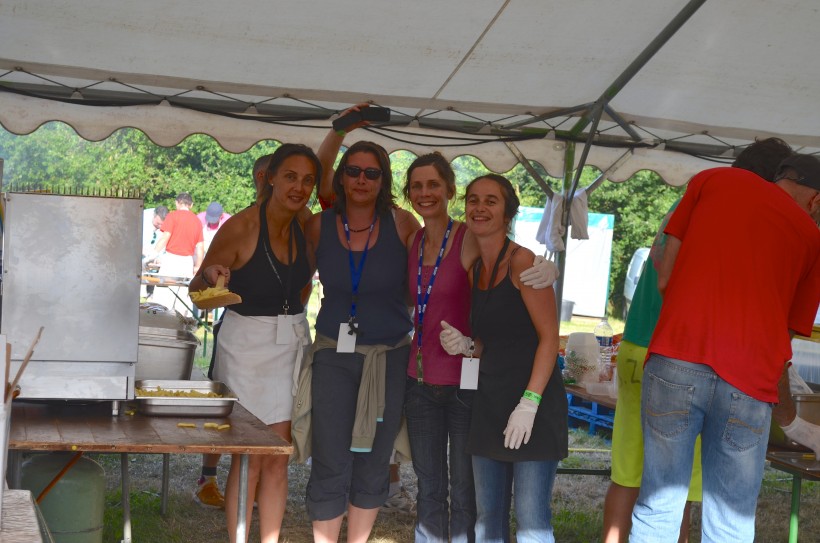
{"points": [[519, 425], [453, 341], [805, 433], [542, 274]]}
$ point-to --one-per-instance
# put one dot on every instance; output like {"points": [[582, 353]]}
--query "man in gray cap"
{"points": [[723, 340], [211, 219]]}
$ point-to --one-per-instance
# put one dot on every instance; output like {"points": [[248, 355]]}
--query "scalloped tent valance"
{"points": [[683, 85]]}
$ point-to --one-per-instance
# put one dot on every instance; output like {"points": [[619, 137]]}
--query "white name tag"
{"points": [[469, 373], [346, 343], [284, 329]]}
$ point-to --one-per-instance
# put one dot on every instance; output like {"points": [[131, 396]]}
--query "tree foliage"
{"points": [[55, 156]]}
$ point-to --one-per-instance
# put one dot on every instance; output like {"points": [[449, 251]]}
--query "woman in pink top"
{"points": [[436, 408]]}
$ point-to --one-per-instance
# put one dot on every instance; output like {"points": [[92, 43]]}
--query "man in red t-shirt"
{"points": [[182, 241], [740, 272]]}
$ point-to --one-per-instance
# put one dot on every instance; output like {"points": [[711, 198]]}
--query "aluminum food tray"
{"points": [[178, 406]]}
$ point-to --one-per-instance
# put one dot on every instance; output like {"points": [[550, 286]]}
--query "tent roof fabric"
{"points": [[470, 73]]}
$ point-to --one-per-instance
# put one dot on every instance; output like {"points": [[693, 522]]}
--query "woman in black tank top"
{"points": [[261, 253], [518, 431]]}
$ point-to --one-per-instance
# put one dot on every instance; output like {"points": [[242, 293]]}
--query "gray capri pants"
{"points": [[337, 475]]}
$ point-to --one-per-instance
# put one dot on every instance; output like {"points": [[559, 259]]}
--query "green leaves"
{"points": [[55, 155]]}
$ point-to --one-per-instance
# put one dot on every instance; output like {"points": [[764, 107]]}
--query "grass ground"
{"points": [[577, 499], [577, 503]]}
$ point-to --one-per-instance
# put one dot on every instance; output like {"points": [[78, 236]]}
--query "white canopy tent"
{"points": [[673, 86], [459, 77]]}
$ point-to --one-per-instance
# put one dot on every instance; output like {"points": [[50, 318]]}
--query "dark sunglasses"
{"points": [[370, 173]]}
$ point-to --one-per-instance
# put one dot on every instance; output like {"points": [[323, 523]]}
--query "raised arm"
{"points": [[329, 150]]}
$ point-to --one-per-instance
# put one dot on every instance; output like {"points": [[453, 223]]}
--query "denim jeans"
{"points": [[681, 400], [436, 414], [532, 484]]}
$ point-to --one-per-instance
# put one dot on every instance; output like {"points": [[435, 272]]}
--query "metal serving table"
{"points": [[66, 427]]}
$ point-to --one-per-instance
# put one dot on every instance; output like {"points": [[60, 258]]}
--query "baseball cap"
{"points": [[807, 166], [213, 213]]}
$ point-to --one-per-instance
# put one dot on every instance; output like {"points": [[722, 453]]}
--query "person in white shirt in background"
{"points": [[212, 219], [152, 219]]}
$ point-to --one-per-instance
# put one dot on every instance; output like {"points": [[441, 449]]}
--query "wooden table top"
{"points": [[69, 427], [802, 463], [581, 392]]}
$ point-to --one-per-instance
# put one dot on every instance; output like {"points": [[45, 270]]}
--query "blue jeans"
{"points": [[532, 481], [436, 414], [681, 400]]}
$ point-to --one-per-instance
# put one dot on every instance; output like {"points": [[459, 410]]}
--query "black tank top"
{"points": [[502, 322], [262, 293], [382, 313]]}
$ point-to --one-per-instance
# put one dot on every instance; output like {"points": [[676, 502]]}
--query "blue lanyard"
{"points": [[356, 272], [421, 302]]}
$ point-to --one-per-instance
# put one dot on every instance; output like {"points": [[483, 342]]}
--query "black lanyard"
{"points": [[269, 251], [421, 303], [475, 315], [356, 272]]}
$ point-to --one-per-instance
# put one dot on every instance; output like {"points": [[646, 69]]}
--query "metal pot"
{"points": [[165, 353]]}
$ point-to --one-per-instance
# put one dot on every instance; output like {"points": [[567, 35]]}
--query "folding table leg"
{"points": [[163, 508], [126, 498], [795, 512], [241, 513]]}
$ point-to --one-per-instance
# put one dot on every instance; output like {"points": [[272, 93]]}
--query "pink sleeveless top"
{"points": [[449, 301]]}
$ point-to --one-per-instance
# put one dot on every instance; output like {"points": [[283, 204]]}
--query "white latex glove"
{"points": [[796, 383], [542, 274], [519, 425], [453, 341], [805, 433], [147, 260]]}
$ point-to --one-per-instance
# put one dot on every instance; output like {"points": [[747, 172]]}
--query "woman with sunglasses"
{"points": [[518, 431], [262, 255], [436, 409], [360, 352]]}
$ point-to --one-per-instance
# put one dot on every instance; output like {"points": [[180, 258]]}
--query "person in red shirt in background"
{"points": [[183, 244]]}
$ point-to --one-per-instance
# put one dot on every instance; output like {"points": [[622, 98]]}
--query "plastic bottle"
{"points": [[603, 333]]}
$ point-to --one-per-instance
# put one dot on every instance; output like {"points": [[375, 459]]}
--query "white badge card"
{"points": [[469, 373], [346, 342], [284, 329]]}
